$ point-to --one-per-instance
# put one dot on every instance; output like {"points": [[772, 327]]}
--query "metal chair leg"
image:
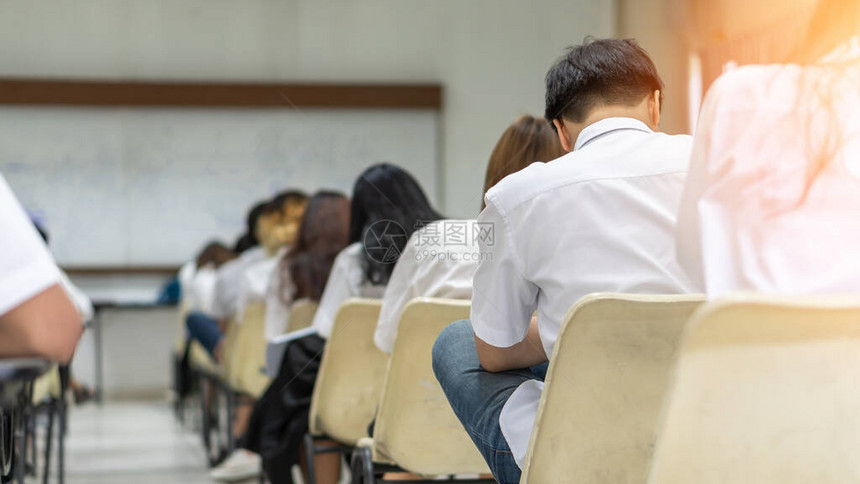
{"points": [[20, 461], [362, 466], [62, 414], [232, 403], [61, 441], [205, 419], [49, 440], [310, 455]]}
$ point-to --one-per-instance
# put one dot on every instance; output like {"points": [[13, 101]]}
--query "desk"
{"points": [[98, 308]]}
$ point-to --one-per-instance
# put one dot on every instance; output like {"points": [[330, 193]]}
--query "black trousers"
{"points": [[280, 417]]}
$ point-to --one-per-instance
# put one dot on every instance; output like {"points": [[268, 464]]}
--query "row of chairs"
{"points": [[240, 373], [19, 407], [641, 388]]}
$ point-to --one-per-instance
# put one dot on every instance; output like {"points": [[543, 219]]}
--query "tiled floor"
{"points": [[131, 443]]}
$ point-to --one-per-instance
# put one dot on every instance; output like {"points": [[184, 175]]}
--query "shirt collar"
{"points": [[606, 126]]}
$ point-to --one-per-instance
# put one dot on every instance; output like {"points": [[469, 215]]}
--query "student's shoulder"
{"points": [[657, 154], [524, 184], [748, 87]]}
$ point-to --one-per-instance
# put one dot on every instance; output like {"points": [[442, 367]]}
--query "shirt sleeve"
{"points": [[338, 289], [503, 300], [402, 288], [26, 266], [79, 299]]}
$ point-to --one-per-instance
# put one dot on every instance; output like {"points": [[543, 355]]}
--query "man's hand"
{"points": [[525, 354]]}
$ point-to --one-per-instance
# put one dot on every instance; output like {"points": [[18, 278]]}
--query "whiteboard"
{"points": [[142, 186]]}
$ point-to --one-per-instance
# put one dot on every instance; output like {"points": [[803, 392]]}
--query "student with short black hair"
{"points": [[600, 218]]}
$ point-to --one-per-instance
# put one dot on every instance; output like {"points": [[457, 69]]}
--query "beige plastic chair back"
{"points": [[766, 391], [351, 374], [301, 314], [47, 386], [610, 372], [415, 427], [249, 357]]}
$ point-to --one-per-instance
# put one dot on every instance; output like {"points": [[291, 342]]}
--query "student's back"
{"points": [[601, 218]]}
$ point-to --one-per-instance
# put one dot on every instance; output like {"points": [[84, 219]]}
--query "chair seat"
{"points": [[15, 374]]}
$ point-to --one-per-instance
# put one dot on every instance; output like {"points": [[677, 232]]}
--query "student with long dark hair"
{"points": [[303, 271], [387, 206], [772, 199], [440, 259], [249, 240], [300, 273]]}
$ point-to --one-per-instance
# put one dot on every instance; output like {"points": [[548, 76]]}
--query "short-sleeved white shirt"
{"points": [[347, 279], [26, 266], [753, 216], [599, 219], [254, 282], [229, 276], [439, 260]]}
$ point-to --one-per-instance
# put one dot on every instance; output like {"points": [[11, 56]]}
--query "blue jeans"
{"points": [[205, 329], [477, 396]]}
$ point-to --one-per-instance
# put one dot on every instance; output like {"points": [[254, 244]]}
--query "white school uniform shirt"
{"points": [[601, 218], [80, 300], [26, 266], [254, 282], [347, 279], [439, 260], [185, 277], [745, 223], [201, 290], [278, 300], [226, 301]]}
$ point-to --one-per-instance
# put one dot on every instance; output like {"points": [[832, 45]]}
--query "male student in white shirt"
{"points": [[600, 218], [36, 316]]}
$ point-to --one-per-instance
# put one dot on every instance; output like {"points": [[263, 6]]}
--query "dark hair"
{"points": [[214, 253], [323, 233], [386, 193], [527, 140], [249, 238], [600, 71]]}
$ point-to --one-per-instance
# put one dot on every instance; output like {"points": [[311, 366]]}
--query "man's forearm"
{"points": [[527, 353]]}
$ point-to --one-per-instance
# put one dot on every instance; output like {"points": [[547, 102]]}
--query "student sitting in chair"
{"points": [[80, 392], [601, 218], [387, 206], [441, 258], [248, 240], [772, 199], [245, 278], [37, 318], [301, 272]]}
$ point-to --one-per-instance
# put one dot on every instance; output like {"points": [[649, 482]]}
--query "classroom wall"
{"points": [[490, 55], [661, 28]]}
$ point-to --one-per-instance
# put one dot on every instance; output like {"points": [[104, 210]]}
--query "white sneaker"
{"points": [[241, 465]]}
